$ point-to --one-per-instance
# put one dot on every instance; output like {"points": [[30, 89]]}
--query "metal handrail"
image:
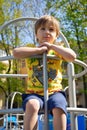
{"points": [[81, 63], [17, 20], [84, 65], [30, 19], [20, 110]]}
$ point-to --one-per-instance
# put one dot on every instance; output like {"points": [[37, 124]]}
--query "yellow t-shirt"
{"points": [[35, 75]]}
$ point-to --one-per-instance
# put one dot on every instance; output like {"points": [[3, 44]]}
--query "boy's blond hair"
{"points": [[47, 19]]}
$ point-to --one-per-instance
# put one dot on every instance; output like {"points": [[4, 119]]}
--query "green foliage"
{"points": [[2, 67], [1, 13], [9, 10], [15, 84]]}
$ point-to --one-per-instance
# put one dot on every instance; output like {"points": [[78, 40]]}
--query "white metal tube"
{"points": [[13, 75], [45, 84], [72, 95], [64, 39], [84, 65], [20, 111], [17, 20]]}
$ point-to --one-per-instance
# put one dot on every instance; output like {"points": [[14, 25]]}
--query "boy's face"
{"points": [[46, 33]]}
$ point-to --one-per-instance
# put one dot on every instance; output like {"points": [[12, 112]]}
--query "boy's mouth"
{"points": [[47, 38]]}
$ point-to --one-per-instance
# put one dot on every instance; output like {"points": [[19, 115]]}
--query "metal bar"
{"points": [[64, 39], [3, 58], [71, 81], [80, 74], [81, 63], [84, 65], [45, 84], [13, 75], [13, 110], [20, 111], [77, 110], [17, 20], [72, 95], [22, 75]]}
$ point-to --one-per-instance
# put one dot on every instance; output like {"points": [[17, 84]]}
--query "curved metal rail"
{"points": [[16, 20], [84, 65], [30, 19]]}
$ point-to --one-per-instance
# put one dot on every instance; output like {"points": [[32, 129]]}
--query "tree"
{"points": [[6, 36]]}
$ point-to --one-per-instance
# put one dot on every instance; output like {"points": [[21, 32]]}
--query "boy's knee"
{"points": [[57, 111], [33, 105]]}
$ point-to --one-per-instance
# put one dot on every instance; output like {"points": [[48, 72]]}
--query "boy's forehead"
{"points": [[48, 24]]}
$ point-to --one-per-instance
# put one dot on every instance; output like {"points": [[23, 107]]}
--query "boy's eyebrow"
{"points": [[48, 26]]}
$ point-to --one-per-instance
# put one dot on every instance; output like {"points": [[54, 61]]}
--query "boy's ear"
{"points": [[56, 37], [36, 36], [36, 39]]}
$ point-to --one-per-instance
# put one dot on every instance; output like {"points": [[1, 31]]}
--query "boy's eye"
{"points": [[51, 29], [42, 28]]}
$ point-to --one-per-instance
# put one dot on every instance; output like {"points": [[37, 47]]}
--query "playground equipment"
{"points": [[72, 109], [12, 121]]}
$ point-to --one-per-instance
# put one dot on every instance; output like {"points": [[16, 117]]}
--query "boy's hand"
{"points": [[45, 44], [43, 49]]}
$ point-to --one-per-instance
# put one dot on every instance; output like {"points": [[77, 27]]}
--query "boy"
{"points": [[47, 31]]}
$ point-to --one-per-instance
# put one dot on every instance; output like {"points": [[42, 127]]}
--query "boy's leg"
{"points": [[57, 104], [36, 126], [31, 114], [59, 119]]}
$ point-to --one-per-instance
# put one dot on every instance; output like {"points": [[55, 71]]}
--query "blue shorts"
{"points": [[56, 100]]}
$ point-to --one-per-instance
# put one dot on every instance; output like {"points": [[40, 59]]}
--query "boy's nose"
{"points": [[47, 31]]}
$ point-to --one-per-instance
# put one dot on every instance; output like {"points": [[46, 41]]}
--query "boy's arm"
{"points": [[66, 53], [24, 52]]}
